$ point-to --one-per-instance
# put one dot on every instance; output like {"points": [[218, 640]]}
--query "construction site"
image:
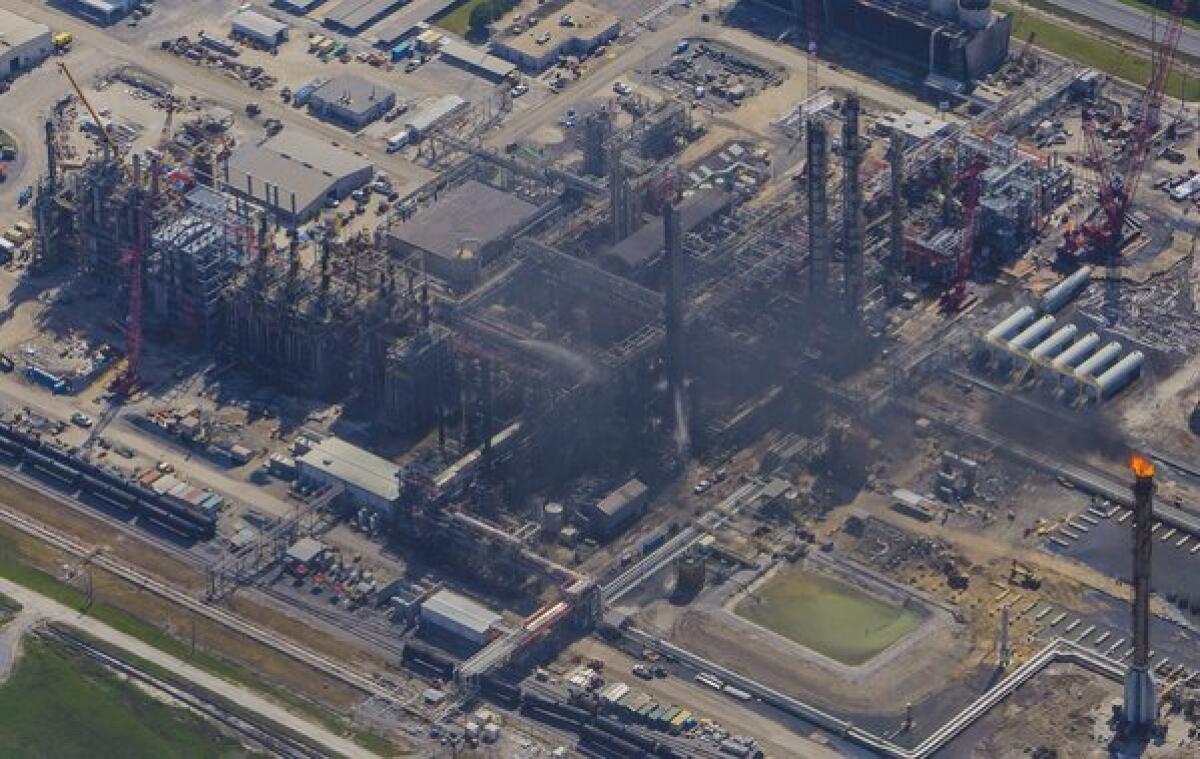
{"points": [[719, 401]]}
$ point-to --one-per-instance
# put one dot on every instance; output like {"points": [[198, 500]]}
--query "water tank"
{"points": [[975, 14], [552, 517], [947, 9]]}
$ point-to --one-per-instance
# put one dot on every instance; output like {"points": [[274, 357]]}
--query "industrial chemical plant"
{"points": [[547, 378]]}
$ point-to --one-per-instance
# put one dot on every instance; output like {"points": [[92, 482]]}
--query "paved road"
{"points": [[38, 607], [1128, 20]]}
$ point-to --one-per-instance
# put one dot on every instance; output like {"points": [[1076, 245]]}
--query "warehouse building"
{"points": [[477, 62], [23, 43], [351, 101], [260, 29], [454, 615], [298, 7], [353, 16], [577, 29], [293, 174], [616, 510], [633, 256], [460, 232], [369, 480], [102, 12]]}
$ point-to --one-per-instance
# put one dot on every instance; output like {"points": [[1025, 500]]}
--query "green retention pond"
{"points": [[829, 616]]}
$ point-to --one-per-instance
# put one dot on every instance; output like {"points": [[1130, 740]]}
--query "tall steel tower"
{"points": [[1140, 708]]}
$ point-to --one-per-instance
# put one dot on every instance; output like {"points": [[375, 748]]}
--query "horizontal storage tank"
{"points": [[1033, 334], [1053, 345], [1013, 324], [975, 14], [1075, 355], [1064, 292], [1115, 379], [1099, 362]]}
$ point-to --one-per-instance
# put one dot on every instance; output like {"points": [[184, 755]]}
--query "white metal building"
{"points": [[369, 480], [23, 43], [259, 28], [459, 616]]}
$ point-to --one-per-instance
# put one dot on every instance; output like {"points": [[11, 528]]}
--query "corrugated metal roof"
{"points": [[429, 116], [470, 614], [471, 211], [253, 21], [355, 466], [357, 15], [618, 500], [296, 164], [351, 93], [16, 30]]}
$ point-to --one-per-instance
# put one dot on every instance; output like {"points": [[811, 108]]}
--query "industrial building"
{"points": [[951, 43], [259, 28], [632, 256], [351, 101], [462, 230], [298, 7], [613, 513], [433, 115], [102, 12], [476, 61], [455, 615], [575, 29], [369, 480], [23, 43], [353, 16], [293, 174]]}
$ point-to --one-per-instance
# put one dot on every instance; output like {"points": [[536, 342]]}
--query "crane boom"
{"points": [[108, 138]]}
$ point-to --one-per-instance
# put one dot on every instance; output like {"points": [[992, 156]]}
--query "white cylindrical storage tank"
{"points": [[1115, 379], [1099, 362], [975, 14], [1074, 355], [1010, 326], [1054, 344], [552, 517], [947, 9], [1064, 292], [1033, 334]]}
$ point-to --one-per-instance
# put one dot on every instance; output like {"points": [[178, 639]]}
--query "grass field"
{"points": [[1098, 53], [459, 19], [14, 568], [55, 705]]}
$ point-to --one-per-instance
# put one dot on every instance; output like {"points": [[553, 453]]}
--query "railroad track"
{"points": [[261, 731], [217, 615]]}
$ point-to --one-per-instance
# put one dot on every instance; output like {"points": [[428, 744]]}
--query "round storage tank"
{"points": [[552, 517], [944, 8], [975, 14]]}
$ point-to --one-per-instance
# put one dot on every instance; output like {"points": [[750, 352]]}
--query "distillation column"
{"points": [[852, 208], [818, 213]]}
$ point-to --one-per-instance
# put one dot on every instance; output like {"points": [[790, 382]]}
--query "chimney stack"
{"points": [[1140, 708]]}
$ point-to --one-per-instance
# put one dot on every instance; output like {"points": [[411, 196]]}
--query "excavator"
{"points": [[1023, 576]]}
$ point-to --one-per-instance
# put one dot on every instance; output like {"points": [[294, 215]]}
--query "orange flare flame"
{"points": [[1142, 467]]}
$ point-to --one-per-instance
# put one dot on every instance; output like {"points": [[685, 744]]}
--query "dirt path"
{"points": [[39, 608], [10, 641]]}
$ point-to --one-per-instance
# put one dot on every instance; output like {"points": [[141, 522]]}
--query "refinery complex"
{"points": [[619, 378]]}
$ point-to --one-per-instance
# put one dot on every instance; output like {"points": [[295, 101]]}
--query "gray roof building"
{"points": [[23, 43], [352, 16], [463, 229], [618, 508], [260, 28], [370, 480], [459, 615], [351, 101], [292, 173], [644, 245]]}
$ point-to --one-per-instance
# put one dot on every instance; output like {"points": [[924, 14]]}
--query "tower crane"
{"points": [[1119, 183], [812, 25], [100, 125], [968, 180]]}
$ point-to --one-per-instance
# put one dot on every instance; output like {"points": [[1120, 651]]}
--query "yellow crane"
{"points": [[100, 126]]}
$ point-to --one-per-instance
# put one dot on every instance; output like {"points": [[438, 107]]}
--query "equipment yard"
{"points": [[610, 379]]}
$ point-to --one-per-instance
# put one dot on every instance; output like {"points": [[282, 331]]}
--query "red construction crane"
{"points": [[1119, 184], [968, 182]]}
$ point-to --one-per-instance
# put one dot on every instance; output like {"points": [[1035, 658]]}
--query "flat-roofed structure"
{"points": [[298, 7], [536, 49], [476, 61], [643, 247], [465, 228], [23, 43], [616, 510], [101, 11], [259, 28], [292, 174], [369, 480], [459, 616], [351, 101], [353, 16]]}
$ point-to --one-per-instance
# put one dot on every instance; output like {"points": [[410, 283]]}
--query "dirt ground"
{"points": [[1064, 709]]}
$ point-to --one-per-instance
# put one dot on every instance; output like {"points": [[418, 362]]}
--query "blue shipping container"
{"points": [[403, 50], [654, 541], [46, 379]]}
